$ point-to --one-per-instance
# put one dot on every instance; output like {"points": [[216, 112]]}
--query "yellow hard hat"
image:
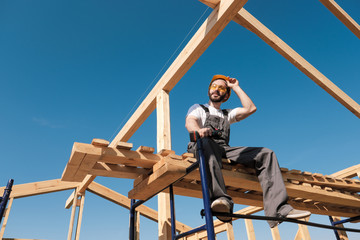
{"points": [[226, 79]]}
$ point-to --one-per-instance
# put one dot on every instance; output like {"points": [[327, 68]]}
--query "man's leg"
{"points": [[268, 171], [213, 155], [221, 202]]}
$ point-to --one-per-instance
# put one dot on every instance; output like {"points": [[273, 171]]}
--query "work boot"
{"points": [[222, 205], [297, 214]]}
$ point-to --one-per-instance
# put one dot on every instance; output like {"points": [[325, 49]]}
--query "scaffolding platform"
{"points": [[320, 194]]}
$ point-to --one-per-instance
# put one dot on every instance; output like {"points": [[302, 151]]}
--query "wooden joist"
{"points": [[164, 174], [37, 188], [105, 161], [245, 189], [321, 194]]}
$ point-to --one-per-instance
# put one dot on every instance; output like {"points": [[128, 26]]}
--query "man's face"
{"points": [[217, 91]]}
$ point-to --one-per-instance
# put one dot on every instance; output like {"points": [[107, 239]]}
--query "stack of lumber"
{"points": [[320, 194]]}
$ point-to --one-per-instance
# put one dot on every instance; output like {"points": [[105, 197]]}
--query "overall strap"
{"points": [[225, 112], [205, 108]]}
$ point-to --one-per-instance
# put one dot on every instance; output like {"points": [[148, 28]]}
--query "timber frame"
{"points": [[116, 159]]}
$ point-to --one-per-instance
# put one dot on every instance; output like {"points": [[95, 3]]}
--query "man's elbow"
{"points": [[252, 109]]}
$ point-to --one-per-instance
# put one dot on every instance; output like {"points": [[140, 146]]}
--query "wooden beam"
{"points": [[275, 233], [245, 19], [349, 172], [36, 188], [250, 229], [202, 39], [6, 217], [163, 142], [221, 226], [76, 170], [70, 200], [340, 13], [304, 231], [72, 217], [123, 201], [80, 214]]}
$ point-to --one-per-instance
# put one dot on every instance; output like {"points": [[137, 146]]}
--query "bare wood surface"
{"points": [[123, 201], [80, 214], [36, 188], [100, 142], [163, 139], [6, 217], [275, 233], [202, 39], [157, 181], [345, 18], [245, 19]]}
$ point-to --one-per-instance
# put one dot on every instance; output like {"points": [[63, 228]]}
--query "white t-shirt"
{"points": [[197, 111]]}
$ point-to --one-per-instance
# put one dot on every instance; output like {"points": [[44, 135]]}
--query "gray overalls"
{"points": [[263, 160]]}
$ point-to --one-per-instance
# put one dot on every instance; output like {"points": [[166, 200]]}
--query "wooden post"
{"points": [[137, 225], [78, 226], [230, 231], [72, 217], [275, 233], [163, 142], [304, 231], [250, 229], [7, 213]]}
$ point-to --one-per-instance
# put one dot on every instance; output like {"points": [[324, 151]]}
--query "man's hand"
{"points": [[205, 132], [232, 82]]}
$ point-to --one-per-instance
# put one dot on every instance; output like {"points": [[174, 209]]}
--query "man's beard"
{"points": [[220, 99]]}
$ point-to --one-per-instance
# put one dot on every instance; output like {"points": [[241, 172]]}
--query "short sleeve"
{"points": [[194, 111], [232, 115]]}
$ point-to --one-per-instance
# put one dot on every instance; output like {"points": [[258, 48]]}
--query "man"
{"points": [[209, 117]]}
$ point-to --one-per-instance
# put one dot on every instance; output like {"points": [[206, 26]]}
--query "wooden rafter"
{"points": [[202, 39], [123, 201], [245, 19], [36, 188], [345, 18]]}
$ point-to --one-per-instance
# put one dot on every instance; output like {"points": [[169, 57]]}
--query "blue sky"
{"points": [[71, 71]]}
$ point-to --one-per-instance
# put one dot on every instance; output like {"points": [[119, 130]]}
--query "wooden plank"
{"points": [[202, 39], [100, 142], [85, 183], [6, 217], [118, 171], [157, 181], [124, 145], [345, 18], [250, 229], [304, 231], [163, 140], [72, 218], [251, 199], [230, 231], [250, 182], [244, 211], [286, 51], [36, 188], [82, 157], [275, 233], [79, 220], [245, 19], [123, 201], [349, 172], [69, 201], [92, 154], [146, 149]]}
